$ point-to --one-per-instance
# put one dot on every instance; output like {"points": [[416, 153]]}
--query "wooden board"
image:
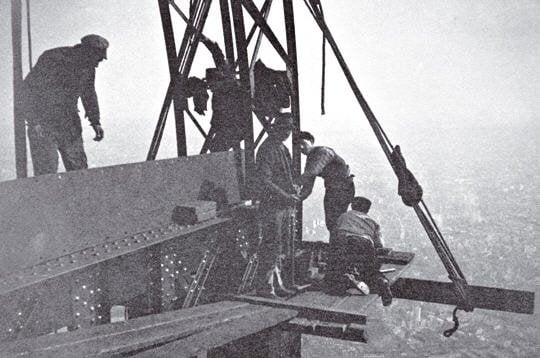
{"points": [[234, 329]]}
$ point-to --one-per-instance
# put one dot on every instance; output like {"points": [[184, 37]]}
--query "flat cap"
{"points": [[97, 42]]}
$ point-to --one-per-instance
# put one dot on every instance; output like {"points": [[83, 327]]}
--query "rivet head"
{"points": [[19, 313], [77, 314], [76, 298], [84, 287], [91, 292], [84, 303], [92, 308]]}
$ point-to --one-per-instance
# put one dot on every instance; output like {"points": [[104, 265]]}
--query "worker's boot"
{"points": [[266, 288], [282, 290], [384, 291]]}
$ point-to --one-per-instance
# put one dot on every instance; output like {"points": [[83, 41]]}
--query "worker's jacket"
{"points": [[52, 89], [274, 176]]}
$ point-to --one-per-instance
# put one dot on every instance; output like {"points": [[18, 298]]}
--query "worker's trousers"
{"points": [[44, 148], [337, 198], [277, 240]]}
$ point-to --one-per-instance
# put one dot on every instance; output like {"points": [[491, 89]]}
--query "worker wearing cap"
{"points": [[51, 92], [278, 197]]}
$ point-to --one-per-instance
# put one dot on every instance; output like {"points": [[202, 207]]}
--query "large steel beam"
{"points": [[491, 298], [227, 30], [292, 72], [19, 128], [265, 28], [172, 58], [241, 50]]}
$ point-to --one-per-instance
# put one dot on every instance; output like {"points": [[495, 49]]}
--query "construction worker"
{"points": [[228, 101], [51, 91], [277, 194], [338, 181], [352, 259]]}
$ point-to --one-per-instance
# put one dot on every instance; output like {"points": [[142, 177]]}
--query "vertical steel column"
{"points": [[292, 72], [227, 30], [19, 129], [241, 50], [170, 46]]}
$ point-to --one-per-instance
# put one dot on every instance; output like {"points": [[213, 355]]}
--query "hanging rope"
{"points": [[408, 188], [29, 32], [449, 332]]}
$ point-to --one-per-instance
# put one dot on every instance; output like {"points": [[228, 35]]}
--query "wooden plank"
{"points": [[259, 319], [128, 336], [308, 310], [361, 303], [491, 298]]}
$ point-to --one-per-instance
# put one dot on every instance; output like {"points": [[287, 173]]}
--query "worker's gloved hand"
{"points": [[99, 132], [39, 130]]}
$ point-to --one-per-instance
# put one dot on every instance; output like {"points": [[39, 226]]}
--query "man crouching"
{"points": [[352, 258]]}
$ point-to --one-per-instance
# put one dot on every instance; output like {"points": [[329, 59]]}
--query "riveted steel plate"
{"points": [[49, 216]]}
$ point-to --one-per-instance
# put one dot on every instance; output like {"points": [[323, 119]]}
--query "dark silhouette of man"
{"points": [[51, 91]]}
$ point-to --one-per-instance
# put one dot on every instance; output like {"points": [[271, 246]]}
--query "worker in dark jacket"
{"points": [[278, 198], [338, 181], [50, 95]]}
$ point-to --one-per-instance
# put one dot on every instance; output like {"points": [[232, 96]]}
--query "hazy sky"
{"points": [[429, 64]]}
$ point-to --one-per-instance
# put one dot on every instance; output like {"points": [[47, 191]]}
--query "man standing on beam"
{"points": [[50, 97]]}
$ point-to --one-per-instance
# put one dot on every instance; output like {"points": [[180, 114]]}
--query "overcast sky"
{"points": [[429, 64]]}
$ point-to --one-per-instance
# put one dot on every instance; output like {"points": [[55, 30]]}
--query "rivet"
{"points": [[77, 314], [19, 313], [99, 305], [99, 317], [76, 298], [92, 308], [98, 289], [10, 330], [91, 292], [84, 287], [84, 303]]}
